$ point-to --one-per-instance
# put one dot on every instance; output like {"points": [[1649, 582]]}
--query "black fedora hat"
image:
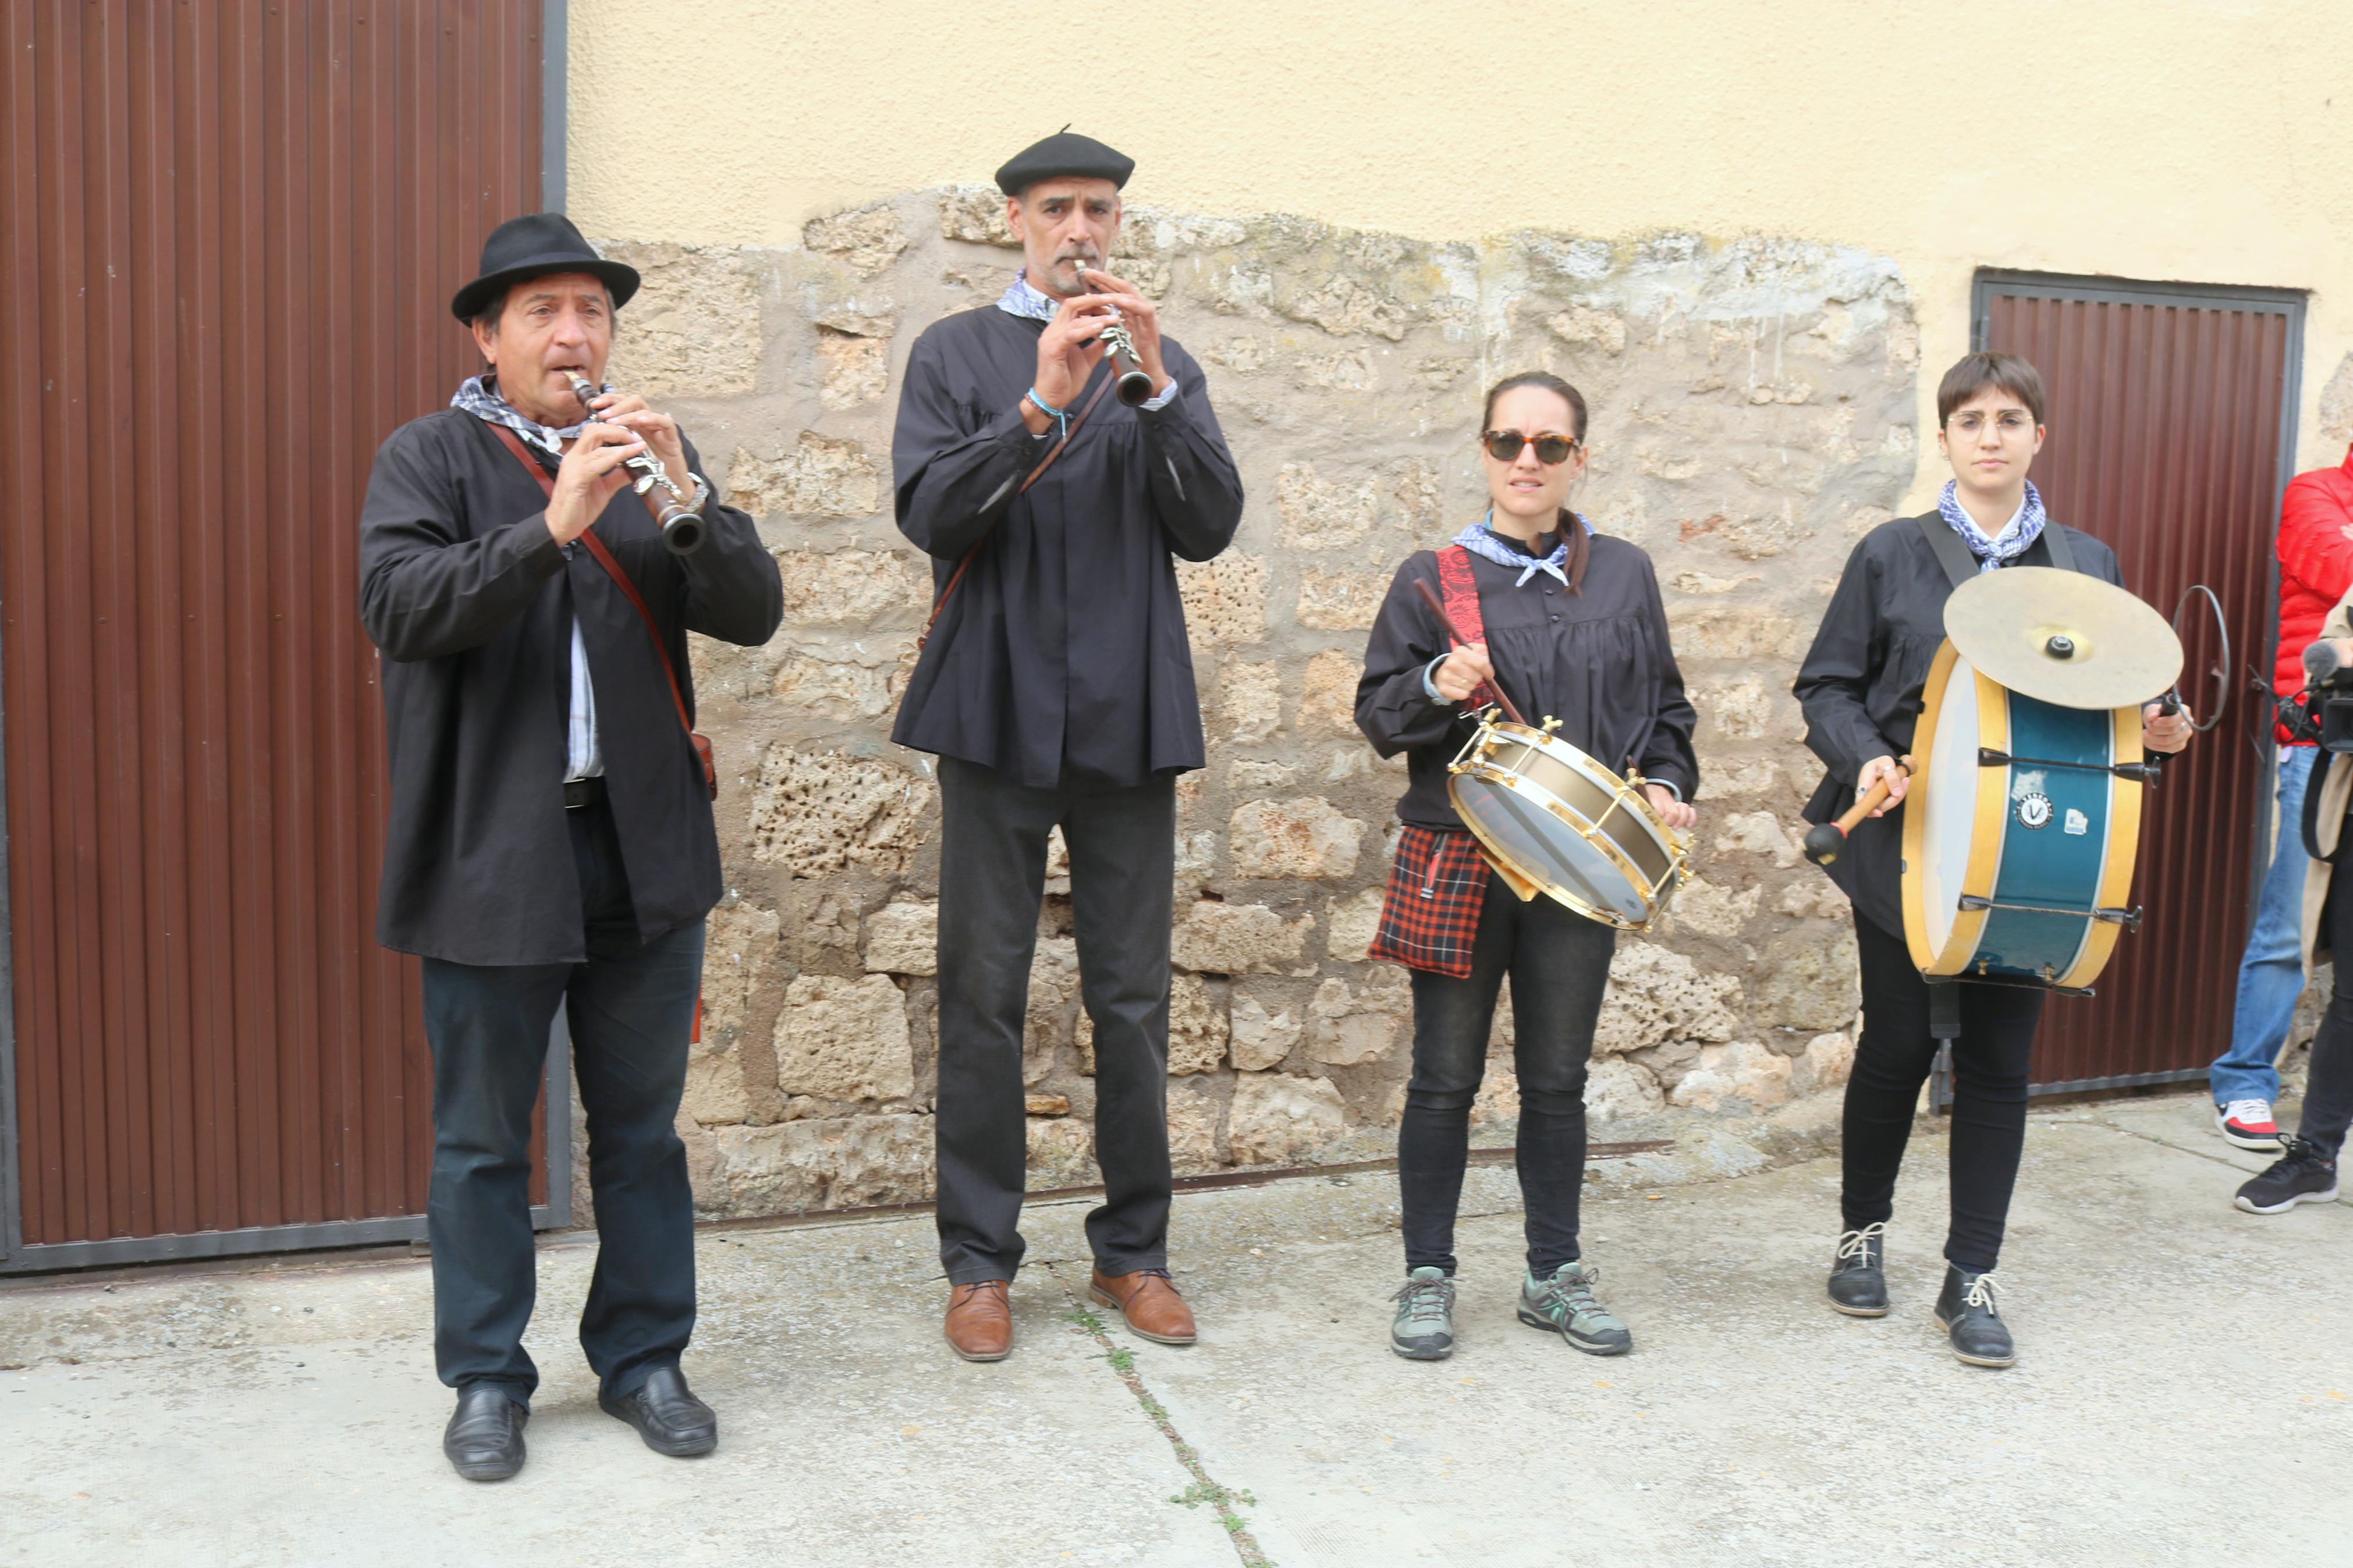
{"points": [[534, 247]]}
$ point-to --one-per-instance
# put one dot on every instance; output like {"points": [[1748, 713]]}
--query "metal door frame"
{"points": [[2287, 302], [15, 1258]]}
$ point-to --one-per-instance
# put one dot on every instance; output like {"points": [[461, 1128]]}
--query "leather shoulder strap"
{"points": [[604, 557], [1104, 383], [1953, 555], [2063, 554]]}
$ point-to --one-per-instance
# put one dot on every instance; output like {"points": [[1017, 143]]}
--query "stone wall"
{"points": [[1752, 415]]}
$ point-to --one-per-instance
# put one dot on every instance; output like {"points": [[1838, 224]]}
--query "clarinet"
{"points": [[1134, 387], [681, 523]]}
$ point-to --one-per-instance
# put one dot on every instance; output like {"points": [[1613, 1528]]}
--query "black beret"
{"points": [[1063, 155]]}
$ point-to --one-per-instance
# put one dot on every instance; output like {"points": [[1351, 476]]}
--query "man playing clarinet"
{"points": [[1057, 689]]}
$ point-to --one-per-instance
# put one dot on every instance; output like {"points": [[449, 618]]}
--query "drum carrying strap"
{"points": [[1960, 565], [1460, 590]]}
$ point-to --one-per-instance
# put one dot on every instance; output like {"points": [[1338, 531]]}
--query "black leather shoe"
{"points": [[1965, 1310], [484, 1437], [1859, 1273], [667, 1415]]}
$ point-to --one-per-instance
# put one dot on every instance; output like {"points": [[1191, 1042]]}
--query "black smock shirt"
{"points": [[1861, 682], [472, 601], [1601, 664], [1062, 651]]}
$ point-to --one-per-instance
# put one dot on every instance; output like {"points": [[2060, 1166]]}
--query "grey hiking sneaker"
{"points": [[1424, 1329], [1564, 1305]]}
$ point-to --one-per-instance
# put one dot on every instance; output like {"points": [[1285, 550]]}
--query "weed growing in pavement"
{"points": [[1224, 1499], [1088, 1323]]}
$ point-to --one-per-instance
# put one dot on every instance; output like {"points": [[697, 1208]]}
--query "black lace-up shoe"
{"points": [[667, 1415], [484, 1439], [1965, 1311], [1859, 1273], [2299, 1177]]}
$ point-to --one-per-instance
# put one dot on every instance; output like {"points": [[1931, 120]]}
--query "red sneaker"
{"points": [[2248, 1124]]}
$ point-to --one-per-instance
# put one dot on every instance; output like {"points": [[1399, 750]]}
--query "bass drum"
{"points": [[1553, 821], [2019, 832]]}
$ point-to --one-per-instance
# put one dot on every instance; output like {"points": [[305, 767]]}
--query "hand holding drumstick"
{"points": [[1882, 784]]}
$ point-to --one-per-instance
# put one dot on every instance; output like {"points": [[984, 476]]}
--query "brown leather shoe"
{"points": [[1147, 1298], [980, 1319]]}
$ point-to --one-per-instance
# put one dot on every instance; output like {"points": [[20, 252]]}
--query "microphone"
{"points": [[2321, 663]]}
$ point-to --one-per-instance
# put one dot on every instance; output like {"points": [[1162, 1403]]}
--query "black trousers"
{"points": [[2328, 1086], [1121, 841], [1893, 1060], [1559, 963], [631, 1009]]}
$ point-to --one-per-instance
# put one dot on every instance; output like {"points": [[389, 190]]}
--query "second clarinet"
{"points": [[680, 519]]}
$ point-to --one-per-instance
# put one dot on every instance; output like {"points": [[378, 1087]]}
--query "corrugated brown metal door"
{"points": [[2168, 440], [232, 232]]}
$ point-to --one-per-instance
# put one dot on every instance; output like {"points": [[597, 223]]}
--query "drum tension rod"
{"points": [[2143, 772], [2129, 919]]}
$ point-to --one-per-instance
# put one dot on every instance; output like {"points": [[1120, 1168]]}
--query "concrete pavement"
{"points": [[2185, 1389]]}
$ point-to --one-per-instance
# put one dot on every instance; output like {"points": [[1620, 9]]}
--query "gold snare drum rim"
{"points": [[1581, 795]]}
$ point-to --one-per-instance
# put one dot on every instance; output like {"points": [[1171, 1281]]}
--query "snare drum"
{"points": [[1553, 820], [2019, 832]]}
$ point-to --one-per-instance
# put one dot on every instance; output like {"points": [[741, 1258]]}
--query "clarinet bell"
{"points": [[682, 531], [1135, 388]]}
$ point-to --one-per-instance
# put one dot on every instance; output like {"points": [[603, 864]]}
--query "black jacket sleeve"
{"points": [[1393, 709], [953, 483], [426, 589], [733, 590], [1196, 492], [1667, 755], [1835, 678]]}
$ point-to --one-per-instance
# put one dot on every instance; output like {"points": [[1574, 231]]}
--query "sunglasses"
{"points": [[1505, 446]]}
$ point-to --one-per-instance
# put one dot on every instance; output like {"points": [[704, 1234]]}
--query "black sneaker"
{"points": [[1859, 1273], [2298, 1177], [1965, 1310]]}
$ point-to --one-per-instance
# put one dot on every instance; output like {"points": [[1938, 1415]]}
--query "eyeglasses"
{"points": [[2008, 422], [1505, 446]]}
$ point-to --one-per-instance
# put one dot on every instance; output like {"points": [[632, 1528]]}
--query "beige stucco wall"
{"points": [[2145, 138]]}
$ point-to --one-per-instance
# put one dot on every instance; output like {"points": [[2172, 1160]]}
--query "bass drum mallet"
{"points": [[1823, 844]]}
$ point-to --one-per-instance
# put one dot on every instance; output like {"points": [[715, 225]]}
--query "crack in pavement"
{"points": [[2208, 1154], [1204, 1489]]}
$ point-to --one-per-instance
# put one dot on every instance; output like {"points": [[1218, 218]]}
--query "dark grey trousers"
{"points": [[992, 878], [2328, 1083], [631, 1008]]}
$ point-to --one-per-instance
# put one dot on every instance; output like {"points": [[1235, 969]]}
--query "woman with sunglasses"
{"points": [[1569, 622]]}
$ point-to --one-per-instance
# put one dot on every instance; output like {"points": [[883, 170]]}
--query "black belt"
{"points": [[579, 793]]}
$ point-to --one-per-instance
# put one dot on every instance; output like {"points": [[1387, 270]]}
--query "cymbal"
{"points": [[2063, 638]]}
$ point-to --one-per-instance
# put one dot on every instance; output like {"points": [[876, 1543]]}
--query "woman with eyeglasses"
{"points": [[1860, 690], [1569, 623]]}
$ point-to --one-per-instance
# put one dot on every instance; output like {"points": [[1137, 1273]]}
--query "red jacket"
{"points": [[2315, 557]]}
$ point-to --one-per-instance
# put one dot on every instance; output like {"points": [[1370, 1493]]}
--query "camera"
{"points": [[2328, 699]]}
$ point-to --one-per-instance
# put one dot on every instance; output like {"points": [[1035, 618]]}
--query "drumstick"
{"points": [[1455, 632], [1823, 844]]}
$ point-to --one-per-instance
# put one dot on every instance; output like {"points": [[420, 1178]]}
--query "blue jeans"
{"points": [[2271, 976]]}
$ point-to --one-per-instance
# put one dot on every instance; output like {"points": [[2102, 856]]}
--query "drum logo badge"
{"points": [[2034, 809]]}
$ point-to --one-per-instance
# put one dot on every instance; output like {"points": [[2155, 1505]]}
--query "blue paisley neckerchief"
{"points": [[1480, 542], [1992, 553], [477, 397]]}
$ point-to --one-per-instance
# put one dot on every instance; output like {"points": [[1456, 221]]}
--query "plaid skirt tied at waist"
{"points": [[1430, 918]]}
